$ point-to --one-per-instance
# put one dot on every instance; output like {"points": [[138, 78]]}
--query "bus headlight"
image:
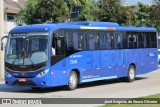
{"points": [[8, 74], [42, 73]]}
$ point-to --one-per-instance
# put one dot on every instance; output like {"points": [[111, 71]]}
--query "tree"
{"points": [[28, 14], [89, 11], [154, 15], [141, 15], [111, 11], [83, 10], [53, 10], [40, 11], [128, 14]]}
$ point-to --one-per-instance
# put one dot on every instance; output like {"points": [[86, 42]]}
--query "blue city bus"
{"points": [[71, 53]]}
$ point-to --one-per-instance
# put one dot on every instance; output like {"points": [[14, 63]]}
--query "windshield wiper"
{"points": [[31, 61], [14, 61]]}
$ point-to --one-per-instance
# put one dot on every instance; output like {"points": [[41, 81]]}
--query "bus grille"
{"points": [[27, 83]]}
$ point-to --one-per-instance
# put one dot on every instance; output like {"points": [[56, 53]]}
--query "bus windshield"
{"points": [[27, 48]]}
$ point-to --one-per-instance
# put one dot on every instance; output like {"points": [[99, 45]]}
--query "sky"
{"points": [[134, 2]]}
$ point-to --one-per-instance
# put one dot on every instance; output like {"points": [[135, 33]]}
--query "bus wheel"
{"points": [[72, 81], [131, 74]]}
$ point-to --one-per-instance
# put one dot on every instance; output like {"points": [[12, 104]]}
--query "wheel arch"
{"points": [[133, 64]]}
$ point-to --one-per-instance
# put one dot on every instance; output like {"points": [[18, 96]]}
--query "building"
{"points": [[11, 9], [8, 11]]}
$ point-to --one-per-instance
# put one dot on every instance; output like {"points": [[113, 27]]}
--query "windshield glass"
{"points": [[27, 49]]}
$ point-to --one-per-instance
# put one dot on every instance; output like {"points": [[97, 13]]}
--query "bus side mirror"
{"points": [[1, 46], [2, 42]]}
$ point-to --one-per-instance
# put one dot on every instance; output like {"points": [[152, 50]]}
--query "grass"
{"points": [[136, 105], [153, 96]]}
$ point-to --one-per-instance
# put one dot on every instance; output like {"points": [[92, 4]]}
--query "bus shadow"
{"points": [[19, 89], [4, 88]]}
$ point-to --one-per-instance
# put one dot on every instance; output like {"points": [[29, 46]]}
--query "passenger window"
{"points": [[145, 39], [58, 43], [148, 39], [153, 39], [81, 41], [141, 40], [132, 41], [118, 41], [72, 41], [105, 40], [91, 41]]}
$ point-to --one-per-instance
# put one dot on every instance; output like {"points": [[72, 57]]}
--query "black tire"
{"points": [[72, 81], [131, 74], [36, 88]]}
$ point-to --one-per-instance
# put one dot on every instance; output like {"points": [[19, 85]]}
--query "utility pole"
{"points": [[1, 35]]}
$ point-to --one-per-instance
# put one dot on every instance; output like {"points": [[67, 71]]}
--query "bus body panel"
{"points": [[106, 64], [96, 65], [92, 65]]}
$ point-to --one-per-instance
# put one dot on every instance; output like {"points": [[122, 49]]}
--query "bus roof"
{"points": [[80, 25]]}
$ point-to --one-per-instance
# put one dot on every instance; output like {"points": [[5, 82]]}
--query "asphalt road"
{"points": [[144, 85]]}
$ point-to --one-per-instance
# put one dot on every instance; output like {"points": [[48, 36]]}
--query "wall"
{"points": [[1, 35]]}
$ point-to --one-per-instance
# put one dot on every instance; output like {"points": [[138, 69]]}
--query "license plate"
{"points": [[22, 79]]}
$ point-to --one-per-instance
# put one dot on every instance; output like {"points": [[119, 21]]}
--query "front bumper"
{"points": [[31, 82]]}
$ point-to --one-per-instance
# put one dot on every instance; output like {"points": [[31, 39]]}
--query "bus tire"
{"points": [[131, 74], [72, 81]]}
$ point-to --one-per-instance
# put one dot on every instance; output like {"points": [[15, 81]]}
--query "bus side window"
{"points": [[145, 39], [72, 42], [125, 40], [91, 40], [58, 43], [60, 48], [148, 39], [118, 41], [153, 40], [53, 51], [140, 40], [132, 41], [109, 39], [103, 42], [80, 41]]}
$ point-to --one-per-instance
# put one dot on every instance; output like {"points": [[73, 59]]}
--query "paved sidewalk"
{"points": [[1, 79]]}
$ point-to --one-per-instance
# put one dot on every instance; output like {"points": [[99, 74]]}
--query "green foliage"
{"points": [[140, 15], [89, 9], [40, 11], [28, 14], [52, 10], [154, 16], [112, 11]]}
